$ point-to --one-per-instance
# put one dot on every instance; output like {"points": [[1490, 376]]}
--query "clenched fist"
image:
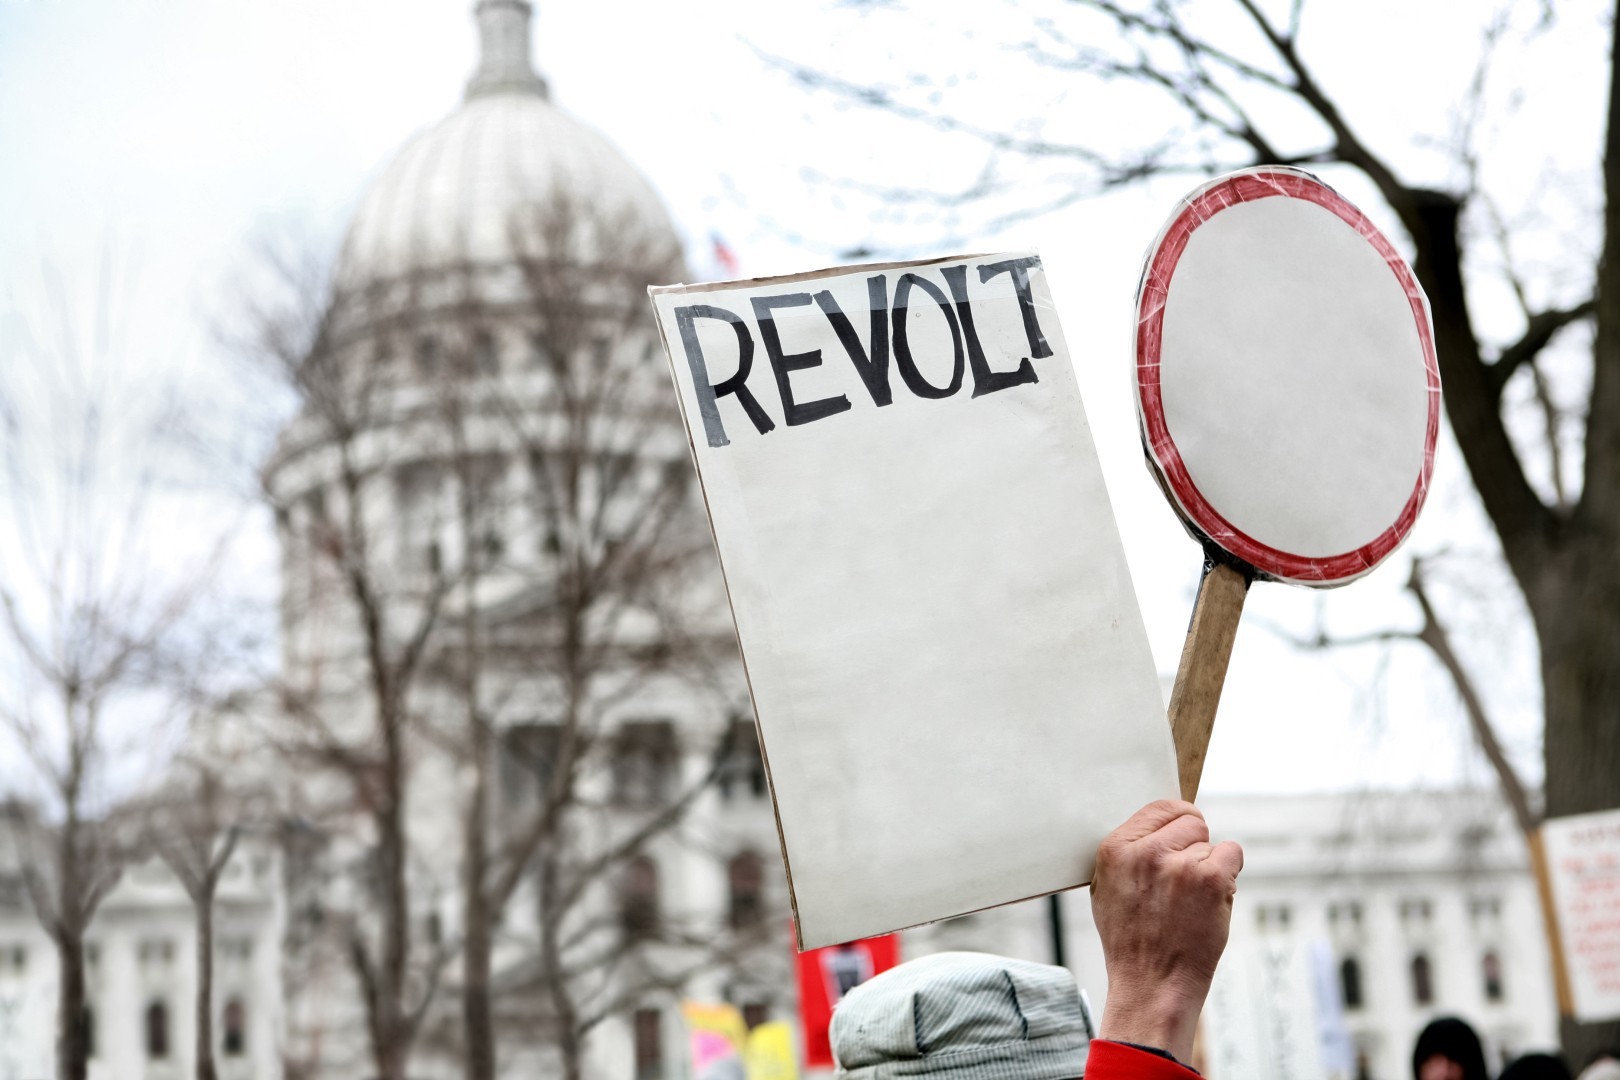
{"points": [[1162, 900]]}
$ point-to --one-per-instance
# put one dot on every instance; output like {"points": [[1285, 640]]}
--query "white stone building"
{"points": [[140, 960], [1365, 916]]}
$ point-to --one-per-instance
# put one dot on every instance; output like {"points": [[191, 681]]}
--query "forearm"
{"points": [[1163, 1015], [1161, 897]]}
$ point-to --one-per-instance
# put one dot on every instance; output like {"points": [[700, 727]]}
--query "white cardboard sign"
{"points": [[1583, 861], [954, 691]]}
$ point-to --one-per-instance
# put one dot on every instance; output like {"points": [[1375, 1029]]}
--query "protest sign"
{"points": [[1583, 865], [1275, 1012], [1289, 399], [718, 1036], [825, 975], [769, 1054], [953, 687]]}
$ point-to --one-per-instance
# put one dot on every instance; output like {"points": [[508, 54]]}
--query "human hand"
{"points": [[1161, 897]]}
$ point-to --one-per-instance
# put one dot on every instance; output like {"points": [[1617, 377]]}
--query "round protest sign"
{"points": [[1289, 399], [1286, 377]]}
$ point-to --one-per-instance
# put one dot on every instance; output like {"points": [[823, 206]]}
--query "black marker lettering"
{"points": [[1019, 269], [781, 364], [902, 347], [985, 381], [708, 394], [873, 368]]}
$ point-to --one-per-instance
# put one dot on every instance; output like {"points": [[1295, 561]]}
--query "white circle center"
{"points": [[1293, 377]]}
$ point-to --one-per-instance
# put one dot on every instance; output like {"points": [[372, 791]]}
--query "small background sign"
{"points": [[825, 976], [1583, 862]]}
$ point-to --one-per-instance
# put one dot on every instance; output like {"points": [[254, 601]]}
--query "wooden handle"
{"points": [[1549, 919], [1203, 669]]}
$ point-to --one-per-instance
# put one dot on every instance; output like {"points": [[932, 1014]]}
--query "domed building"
{"points": [[532, 813]]}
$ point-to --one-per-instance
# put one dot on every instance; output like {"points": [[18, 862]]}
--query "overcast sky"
{"points": [[175, 132]]}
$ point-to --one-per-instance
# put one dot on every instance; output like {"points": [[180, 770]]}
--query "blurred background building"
{"points": [[1361, 917]]}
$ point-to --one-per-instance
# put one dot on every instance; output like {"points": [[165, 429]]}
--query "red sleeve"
{"points": [[1117, 1061]]}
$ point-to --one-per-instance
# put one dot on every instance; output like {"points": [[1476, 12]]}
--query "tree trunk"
{"points": [[563, 1010], [205, 987], [72, 1051], [479, 913], [394, 1051], [477, 1018], [1578, 610], [389, 1023]]}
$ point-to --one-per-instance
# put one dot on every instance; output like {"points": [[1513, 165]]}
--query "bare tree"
{"points": [[97, 635], [625, 596], [356, 628], [195, 824], [1227, 85], [503, 512]]}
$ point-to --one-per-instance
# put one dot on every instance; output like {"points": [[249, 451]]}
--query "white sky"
{"points": [[176, 131]]}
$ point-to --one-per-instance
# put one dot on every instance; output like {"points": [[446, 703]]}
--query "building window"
{"points": [[418, 499], [154, 953], [427, 356], [529, 755], [234, 1023], [746, 876], [238, 950], [1419, 912], [638, 897], [1490, 970], [742, 769], [1350, 982], [644, 764], [1422, 980], [1345, 914], [486, 357], [485, 476], [541, 352], [157, 1031], [1273, 916], [649, 1032], [87, 1031]]}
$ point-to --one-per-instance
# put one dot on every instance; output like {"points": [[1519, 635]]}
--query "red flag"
{"points": [[825, 976], [724, 255]]}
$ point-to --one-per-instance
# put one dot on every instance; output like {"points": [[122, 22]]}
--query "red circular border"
{"points": [[1251, 186]]}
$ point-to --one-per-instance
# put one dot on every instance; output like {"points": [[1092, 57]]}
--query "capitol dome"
{"points": [[487, 183]]}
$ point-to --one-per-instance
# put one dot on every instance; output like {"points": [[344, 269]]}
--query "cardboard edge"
{"points": [[946, 918], [725, 580], [803, 275]]}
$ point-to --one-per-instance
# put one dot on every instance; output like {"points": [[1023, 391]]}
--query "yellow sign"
{"points": [[770, 1053]]}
